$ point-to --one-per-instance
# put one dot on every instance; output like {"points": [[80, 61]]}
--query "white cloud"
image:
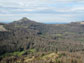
{"points": [[62, 10]]}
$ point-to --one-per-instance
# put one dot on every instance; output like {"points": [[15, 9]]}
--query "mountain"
{"points": [[26, 34]]}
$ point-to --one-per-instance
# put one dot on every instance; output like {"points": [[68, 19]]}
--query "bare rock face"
{"points": [[2, 28], [82, 23], [78, 23]]}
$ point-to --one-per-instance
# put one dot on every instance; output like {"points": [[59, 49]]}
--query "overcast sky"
{"points": [[45, 11]]}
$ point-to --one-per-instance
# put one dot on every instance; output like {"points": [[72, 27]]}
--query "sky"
{"points": [[45, 11]]}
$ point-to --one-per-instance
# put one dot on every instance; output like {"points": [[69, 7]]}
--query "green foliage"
{"points": [[17, 53], [32, 50], [59, 35]]}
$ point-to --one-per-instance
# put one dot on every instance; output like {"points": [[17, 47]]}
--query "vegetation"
{"points": [[40, 42], [44, 57]]}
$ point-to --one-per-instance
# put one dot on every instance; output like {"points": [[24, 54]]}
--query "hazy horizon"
{"points": [[39, 22]]}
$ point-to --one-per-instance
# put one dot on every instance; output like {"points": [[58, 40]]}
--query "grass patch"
{"points": [[17, 53], [32, 50]]}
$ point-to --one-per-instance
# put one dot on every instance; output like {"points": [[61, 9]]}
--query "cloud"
{"points": [[45, 10]]}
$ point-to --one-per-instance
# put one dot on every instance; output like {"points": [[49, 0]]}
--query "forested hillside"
{"points": [[28, 35]]}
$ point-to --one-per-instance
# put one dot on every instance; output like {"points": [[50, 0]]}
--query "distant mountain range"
{"points": [[26, 34]]}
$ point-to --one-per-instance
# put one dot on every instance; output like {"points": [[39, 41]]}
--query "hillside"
{"points": [[26, 34]]}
